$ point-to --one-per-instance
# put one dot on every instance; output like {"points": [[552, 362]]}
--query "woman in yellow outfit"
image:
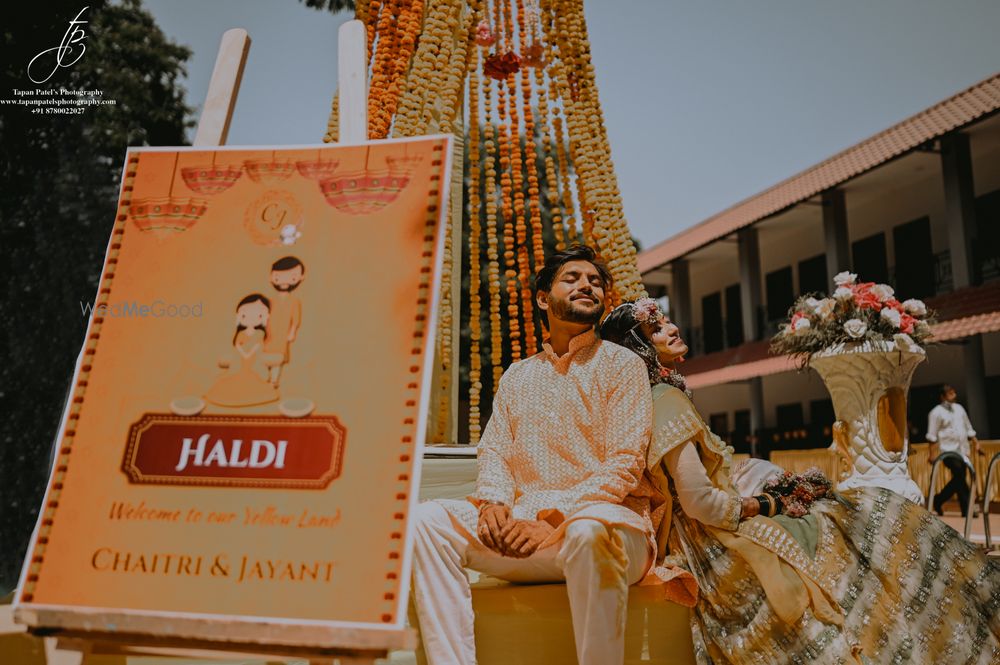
{"points": [[865, 576]]}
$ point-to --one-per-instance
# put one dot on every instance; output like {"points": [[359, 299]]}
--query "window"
{"points": [[987, 245], [869, 259], [711, 321], [790, 416], [821, 412], [719, 424], [812, 275], [914, 258], [734, 316], [780, 293], [741, 431]]}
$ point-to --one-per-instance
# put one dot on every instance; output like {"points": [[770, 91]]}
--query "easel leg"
{"points": [[55, 655]]}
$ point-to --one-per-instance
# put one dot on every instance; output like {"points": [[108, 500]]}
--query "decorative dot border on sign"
{"points": [[89, 350], [408, 429]]}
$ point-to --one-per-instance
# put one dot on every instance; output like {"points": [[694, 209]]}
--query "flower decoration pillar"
{"points": [[868, 384]]}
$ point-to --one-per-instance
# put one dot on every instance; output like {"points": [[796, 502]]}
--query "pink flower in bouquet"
{"points": [[906, 323], [865, 299]]}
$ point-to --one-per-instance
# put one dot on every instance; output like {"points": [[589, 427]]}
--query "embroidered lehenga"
{"points": [[867, 576]]}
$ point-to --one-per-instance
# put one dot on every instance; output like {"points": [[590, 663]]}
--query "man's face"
{"points": [[950, 395], [286, 280], [577, 294]]}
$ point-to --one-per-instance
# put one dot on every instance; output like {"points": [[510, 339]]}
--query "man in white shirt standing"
{"points": [[949, 428]]}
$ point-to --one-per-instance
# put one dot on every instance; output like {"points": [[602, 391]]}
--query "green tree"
{"points": [[330, 5], [59, 181]]}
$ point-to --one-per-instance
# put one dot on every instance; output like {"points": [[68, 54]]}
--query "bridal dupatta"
{"points": [[866, 576]]}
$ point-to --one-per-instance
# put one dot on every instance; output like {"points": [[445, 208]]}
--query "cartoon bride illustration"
{"points": [[247, 366], [245, 382]]}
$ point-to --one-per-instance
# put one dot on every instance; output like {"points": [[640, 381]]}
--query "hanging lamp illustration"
{"points": [[366, 191], [211, 179], [403, 165], [269, 171], [318, 169], [168, 214]]}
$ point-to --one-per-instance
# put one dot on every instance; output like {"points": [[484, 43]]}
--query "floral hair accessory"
{"points": [[645, 310]]}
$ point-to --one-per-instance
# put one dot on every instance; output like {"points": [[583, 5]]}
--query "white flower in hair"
{"points": [[855, 328], [883, 292], [915, 307], [891, 316], [801, 326], [843, 293], [845, 278]]}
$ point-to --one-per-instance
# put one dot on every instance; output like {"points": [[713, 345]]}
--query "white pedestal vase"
{"points": [[868, 385]]}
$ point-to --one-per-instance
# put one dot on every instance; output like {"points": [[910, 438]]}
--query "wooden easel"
{"points": [[72, 634]]}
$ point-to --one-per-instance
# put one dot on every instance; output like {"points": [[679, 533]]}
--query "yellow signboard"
{"points": [[245, 429]]}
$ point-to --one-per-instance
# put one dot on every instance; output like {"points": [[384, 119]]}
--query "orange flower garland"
{"points": [[475, 360], [507, 222], [420, 53], [492, 242]]}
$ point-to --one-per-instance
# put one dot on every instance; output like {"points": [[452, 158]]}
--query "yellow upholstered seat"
{"points": [[530, 624]]}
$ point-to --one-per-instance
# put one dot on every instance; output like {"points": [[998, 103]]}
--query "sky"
{"points": [[707, 102]]}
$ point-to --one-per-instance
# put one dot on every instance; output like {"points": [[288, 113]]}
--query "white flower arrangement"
{"points": [[857, 312]]}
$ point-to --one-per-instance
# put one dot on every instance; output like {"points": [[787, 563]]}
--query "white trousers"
{"points": [[597, 562]]}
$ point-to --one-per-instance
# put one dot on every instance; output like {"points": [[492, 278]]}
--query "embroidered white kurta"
{"points": [[568, 439]]}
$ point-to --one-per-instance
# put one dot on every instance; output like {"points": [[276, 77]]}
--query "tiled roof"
{"points": [[965, 312], [970, 325], [955, 112], [741, 372]]}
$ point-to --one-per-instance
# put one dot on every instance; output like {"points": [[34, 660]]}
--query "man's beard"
{"points": [[566, 310], [286, 288]]}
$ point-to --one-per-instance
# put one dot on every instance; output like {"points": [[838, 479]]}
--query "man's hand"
{"points": [[522, 537], [492, 520]]}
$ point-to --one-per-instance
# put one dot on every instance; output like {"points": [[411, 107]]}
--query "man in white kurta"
{"points": [[948, 426], [559, 493]]}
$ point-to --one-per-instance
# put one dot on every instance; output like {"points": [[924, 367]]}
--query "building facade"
{"points": [[916, 206]]}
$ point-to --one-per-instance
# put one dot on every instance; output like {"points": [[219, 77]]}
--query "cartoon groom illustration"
{"points": [[286, 311]]}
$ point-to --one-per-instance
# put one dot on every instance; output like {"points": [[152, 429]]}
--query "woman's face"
{"points": [[666, 338], [252, 314]]}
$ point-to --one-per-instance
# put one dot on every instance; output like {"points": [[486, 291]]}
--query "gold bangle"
{"points": [[773, 505]]}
